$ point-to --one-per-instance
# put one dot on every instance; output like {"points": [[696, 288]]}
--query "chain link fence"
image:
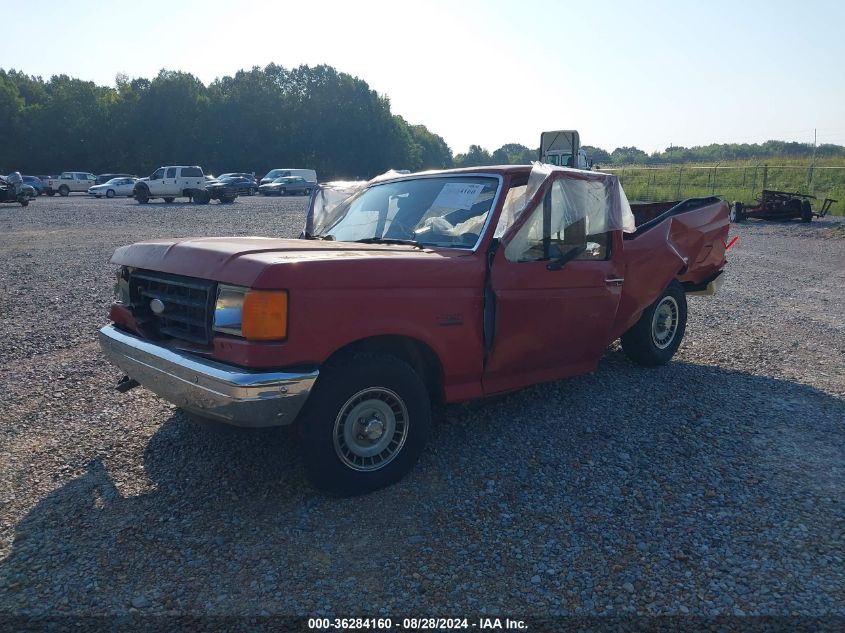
{"points": [[732, 182]]}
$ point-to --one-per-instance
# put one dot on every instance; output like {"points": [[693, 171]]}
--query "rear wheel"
{"points": [[169, 199], [252, 191], [365, 425], [50, 192], [24, 201], [654, 339], [64, 191]]}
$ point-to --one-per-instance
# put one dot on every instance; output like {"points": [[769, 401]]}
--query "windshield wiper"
{"points": [[389, 240]]}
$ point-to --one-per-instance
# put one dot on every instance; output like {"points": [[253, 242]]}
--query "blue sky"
{"points": [[647, 73]]}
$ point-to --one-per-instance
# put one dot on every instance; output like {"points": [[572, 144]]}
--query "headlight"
{"points": [[258, 315]]}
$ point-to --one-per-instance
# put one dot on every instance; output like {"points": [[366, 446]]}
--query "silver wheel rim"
{"points": [[732, 215], [371, 429], [664, 323]]}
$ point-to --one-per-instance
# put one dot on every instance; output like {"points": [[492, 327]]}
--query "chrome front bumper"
{"points": [[240, 397]]}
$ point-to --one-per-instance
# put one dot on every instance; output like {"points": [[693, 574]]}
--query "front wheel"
{"points": [[365, 425], [202, 197], [169, 199], [142, 195], [109, 193], [24, 201], [654, 339]]}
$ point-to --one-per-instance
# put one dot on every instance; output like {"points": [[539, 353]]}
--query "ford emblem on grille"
{"points": [[157, 306]]}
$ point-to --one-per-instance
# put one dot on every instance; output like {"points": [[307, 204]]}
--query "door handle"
{"points": [[614, 281]]}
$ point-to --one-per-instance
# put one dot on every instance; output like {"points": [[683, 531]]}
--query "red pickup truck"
{"points": [[441, 286]]}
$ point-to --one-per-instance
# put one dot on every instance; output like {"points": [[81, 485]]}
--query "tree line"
{"points": [[259, 119]]}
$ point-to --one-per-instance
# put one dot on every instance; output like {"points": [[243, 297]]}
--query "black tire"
{"points": [[142, 195], [348, 389], [202, 197], [252, 191], [656, 336], [109, 193], [64, 191], [283, 192], [24, 201], [806, 211], [169, 199], [227, 199], [51, 193]]}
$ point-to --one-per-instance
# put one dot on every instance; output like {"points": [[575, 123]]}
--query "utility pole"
{"points": [[812, 164]]}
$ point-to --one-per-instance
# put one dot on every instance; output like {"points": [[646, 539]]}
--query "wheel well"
{"points": [[417, 354]]}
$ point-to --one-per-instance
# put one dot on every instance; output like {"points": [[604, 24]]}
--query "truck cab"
{"points": [[558, 148], [172, 181]]}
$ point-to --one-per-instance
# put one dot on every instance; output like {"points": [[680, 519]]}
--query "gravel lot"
{"points": [[713, 485]]}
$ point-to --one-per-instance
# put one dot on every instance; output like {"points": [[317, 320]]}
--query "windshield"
{"points": [[439, 211]]}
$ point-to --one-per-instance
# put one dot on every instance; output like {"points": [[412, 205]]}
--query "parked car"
{"points": [[35, 183], [187, 181], [68, 182], [309, 174], [287, 185], [244, 183], [454, 285], [114, 187], [104, 178]]}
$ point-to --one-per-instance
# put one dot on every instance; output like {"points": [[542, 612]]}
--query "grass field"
{"points": [[736, 180]]}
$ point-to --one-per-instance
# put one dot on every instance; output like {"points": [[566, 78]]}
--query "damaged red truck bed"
{"points": [[440, 286]]}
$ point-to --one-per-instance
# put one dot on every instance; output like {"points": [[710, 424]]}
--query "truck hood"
{"points": [[260, 262]]}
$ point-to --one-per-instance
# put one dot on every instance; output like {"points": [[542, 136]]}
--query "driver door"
{"points": [[550, 320]]}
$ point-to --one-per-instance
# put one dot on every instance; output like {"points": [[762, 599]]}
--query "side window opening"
{"points": [[171, 172], [571, 215]]}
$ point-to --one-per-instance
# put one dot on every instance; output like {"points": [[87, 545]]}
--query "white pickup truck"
{"points": [[69, 181], [186, 181]]}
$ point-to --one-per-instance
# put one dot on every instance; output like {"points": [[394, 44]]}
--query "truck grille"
{"points": [[188, 304]]}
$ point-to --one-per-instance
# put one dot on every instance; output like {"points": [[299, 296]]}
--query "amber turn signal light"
{"points": [[265, 315]]}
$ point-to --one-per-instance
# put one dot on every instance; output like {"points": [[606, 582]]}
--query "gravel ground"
{"points": [[711, 486]]}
